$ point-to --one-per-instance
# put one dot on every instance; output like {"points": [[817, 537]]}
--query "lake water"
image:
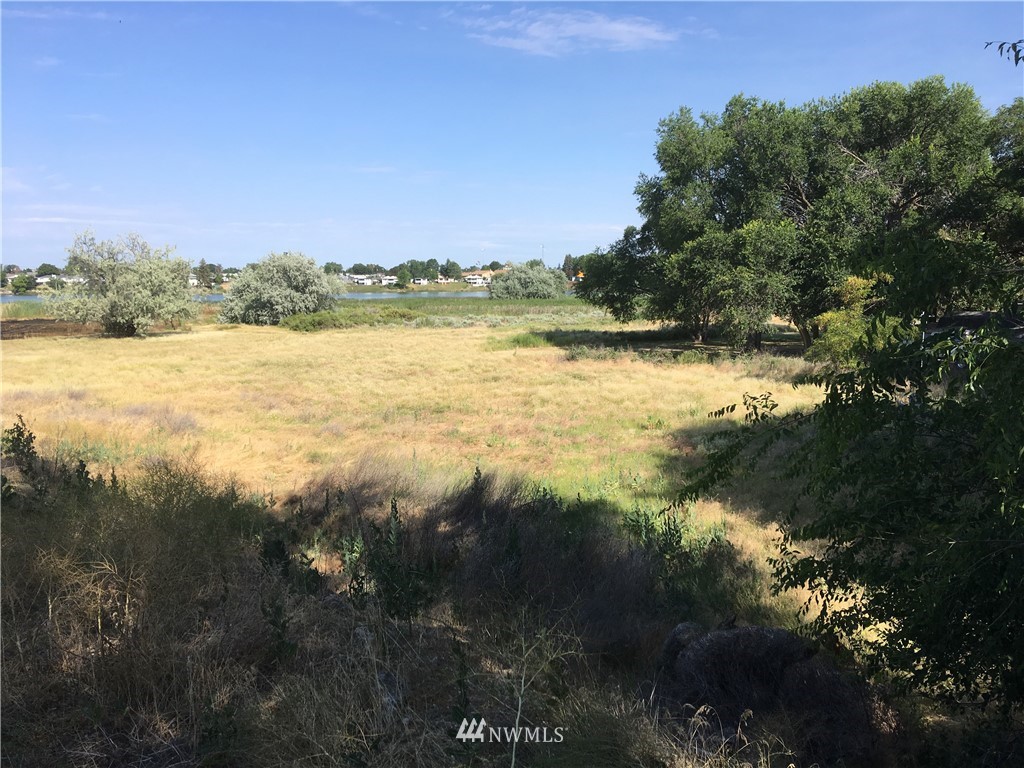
{"points": [[8, 298]]}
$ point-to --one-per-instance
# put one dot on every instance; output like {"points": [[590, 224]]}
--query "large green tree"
{"points": [[128, 286], [451, 270], [911, 535], [23, 283], [832, 177]]}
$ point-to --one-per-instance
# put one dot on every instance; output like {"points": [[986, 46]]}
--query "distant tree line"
{"points": [[208, 275], [412, 269]]}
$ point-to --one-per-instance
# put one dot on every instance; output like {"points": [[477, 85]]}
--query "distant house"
{"points": [[444, 280], [477, 279], [362, 280], [420, 281], [388, 280]]}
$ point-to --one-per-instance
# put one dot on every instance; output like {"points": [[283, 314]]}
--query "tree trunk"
{"points": [[805, 335]]}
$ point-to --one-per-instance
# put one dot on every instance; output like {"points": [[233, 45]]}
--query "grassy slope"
{"points": [[272, 405], [275, 408]]}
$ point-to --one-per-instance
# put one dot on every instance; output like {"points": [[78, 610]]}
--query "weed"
{"points": [[582, 352], [693, 357], [18, 444], [653, 422], [526, 340], [351, 317], [381, 564], [677, 544]]}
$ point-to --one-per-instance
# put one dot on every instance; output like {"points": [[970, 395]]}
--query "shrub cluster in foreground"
{"points": [[175, 620]]}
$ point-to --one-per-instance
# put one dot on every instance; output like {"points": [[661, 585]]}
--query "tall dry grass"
{"points": [[172, 619], [273, 408], [273, 405]]}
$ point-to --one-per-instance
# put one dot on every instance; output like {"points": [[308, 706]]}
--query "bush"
{"points": [[529, 282], [350, 317], [281, 285], [844, 331], [128, 286], [910, 533], [22, 284]]}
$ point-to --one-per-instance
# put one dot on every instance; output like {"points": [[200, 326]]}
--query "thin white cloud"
{"points": [[77, 211], [46, 62], [557, 33], [41, 13], [80, 221], [90, 117]]}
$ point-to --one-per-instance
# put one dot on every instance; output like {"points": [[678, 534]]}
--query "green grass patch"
{"points": [[352, 317], [457, 312], [24, 310], [584, 352], [525, 340]]}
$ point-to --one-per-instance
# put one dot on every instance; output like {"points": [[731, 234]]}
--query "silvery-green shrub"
{"points": [[127, 286], [529, 282], [280, 285]]}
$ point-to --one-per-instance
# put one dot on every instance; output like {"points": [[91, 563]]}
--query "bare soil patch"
{"points": [[36, 327]]}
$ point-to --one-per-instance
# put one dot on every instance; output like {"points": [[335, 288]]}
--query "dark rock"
{"points": [[763, 676]]}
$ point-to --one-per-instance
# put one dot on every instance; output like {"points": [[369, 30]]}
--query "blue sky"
{"points": [[387, 131]]}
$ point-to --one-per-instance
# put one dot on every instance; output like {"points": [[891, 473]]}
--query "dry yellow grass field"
{"points": [[275, 408]]}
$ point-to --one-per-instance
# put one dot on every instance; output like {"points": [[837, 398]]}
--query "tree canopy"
{"points": [[366, 269], [23, 283], [768, 209], [280, 285], [128, 285], [910, 533], [451, 270]]}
